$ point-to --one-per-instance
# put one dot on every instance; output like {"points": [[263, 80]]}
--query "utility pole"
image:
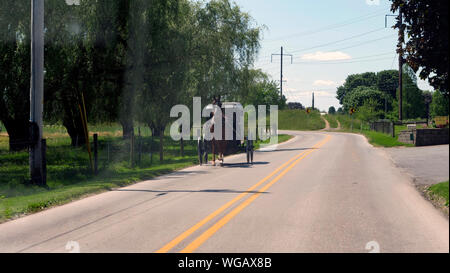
{"points": [[400, 64], [281, 73], [313, 100], [400, 59], [37, 90]]}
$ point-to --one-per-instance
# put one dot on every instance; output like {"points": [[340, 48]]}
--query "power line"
{"points": [[357, 58], [339, 41], [349, 38], [344, 62], [329, 27], [395, 57], [363, 43]]}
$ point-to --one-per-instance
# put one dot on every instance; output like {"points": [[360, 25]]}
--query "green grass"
{"points": [[299, 120], [441, 191], [332, 120], [374, 138], [281, 139], [346, 122], [383, 140], [69, 176], [400, 128]]}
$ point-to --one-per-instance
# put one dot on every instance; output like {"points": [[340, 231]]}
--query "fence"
{"points": [[383, 126]]}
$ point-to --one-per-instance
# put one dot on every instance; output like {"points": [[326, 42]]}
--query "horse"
{"points": [[219, 145]]}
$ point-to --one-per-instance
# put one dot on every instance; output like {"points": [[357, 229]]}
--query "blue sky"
{"points": [[316, 33]]}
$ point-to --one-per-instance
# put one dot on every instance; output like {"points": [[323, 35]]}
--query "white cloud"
{"points": [[291, 92], [326, 56], [323, 83]]}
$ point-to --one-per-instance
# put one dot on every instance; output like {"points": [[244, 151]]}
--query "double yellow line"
{"points": [[219, 224]]}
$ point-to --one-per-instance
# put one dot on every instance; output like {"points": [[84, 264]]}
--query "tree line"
{"points": [[128, 61], [376, 94]]}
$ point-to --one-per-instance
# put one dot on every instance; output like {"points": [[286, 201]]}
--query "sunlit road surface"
{"points": [[319, 192]]}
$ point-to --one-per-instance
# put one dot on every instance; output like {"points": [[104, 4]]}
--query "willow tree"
{"points": [[225, 44], [15, 71]]}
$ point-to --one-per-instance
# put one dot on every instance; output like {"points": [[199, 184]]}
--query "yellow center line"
{"points": [[194, 228], [212, 230]]}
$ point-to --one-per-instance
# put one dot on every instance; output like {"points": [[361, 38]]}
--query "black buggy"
{"points": [[204, 147]]}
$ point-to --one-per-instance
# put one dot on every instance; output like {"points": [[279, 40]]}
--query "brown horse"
{"points": [[218, 146]]}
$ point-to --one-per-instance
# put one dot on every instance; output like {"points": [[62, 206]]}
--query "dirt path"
{"points": [[328, 127], [327, 124]]}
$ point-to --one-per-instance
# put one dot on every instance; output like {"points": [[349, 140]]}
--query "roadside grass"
{"points": [[281, 139], [383, 140], [69, 176], [299, 120], [440, 191], [346, 122], [374, 138], [400, 128], [332, 121]]}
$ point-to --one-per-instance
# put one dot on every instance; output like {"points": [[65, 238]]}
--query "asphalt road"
{"points": [[319, 192], [426, 165]]}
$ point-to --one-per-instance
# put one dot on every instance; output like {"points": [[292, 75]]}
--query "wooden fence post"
{"points": [[95, 154], [44, 161]]}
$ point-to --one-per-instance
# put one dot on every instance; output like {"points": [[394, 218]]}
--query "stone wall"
{"points": [[425, 137], [405, 136], [383, 126]]}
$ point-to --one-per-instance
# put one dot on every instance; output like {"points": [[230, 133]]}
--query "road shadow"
{"points": [[284, 150], [242, 165], [178, 174], [163, 192]]}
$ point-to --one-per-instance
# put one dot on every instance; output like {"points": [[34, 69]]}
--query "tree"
{"points": [[387, 81], [69, 79], [295, 106], [413, 100], [369, 110], [109, 30], [368, 79], [440, 105], [15, 71], [262, 91], [332, 110], [426, 25], [193, 49], [363, 94]]}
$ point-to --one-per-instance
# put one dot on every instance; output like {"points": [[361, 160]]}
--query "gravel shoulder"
{"points": [[425, 166]]}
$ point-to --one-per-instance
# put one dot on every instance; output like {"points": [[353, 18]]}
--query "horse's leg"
{"points": [[213, 147], [222, 150]]}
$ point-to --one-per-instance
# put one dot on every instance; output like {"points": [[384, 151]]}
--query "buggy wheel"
{"points": [[205, 151], [199, 150], [251, 151], [247, 150]]}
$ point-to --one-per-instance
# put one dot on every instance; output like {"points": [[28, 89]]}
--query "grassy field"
{"points": [[374, 138], [332, 120], [300, 120], [441, 191], [69, 176]]}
